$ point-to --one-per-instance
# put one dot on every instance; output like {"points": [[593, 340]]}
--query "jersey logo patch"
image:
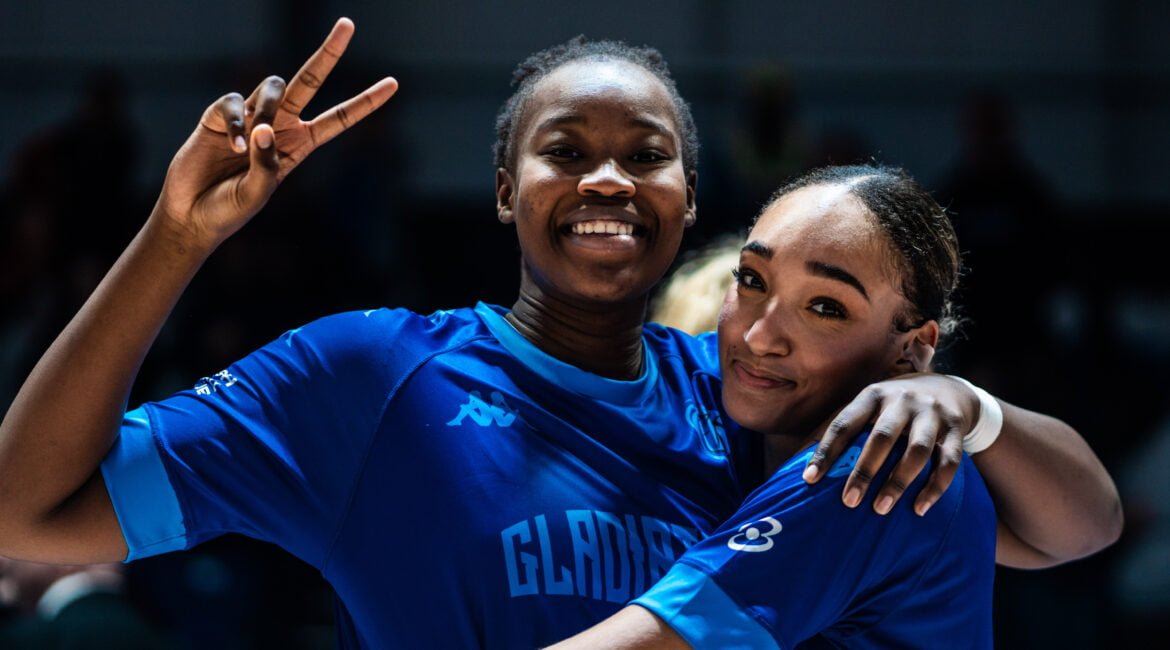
{"points": [[709, 426], [751, 538], [484, 414], [209, 385]]}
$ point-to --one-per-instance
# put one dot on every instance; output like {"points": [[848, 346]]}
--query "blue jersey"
{"points": [[795, 568], [455, 485]]}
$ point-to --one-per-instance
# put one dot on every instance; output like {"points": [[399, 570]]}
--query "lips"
{"points": [[756, 377], [605, 231], [602, 227], [602, 218]]}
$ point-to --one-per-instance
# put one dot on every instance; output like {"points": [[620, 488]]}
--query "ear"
{"points": [[918, 346], [692, 182], [504, 195]]}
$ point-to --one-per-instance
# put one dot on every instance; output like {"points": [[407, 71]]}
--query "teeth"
{"points": [[603, 227]]}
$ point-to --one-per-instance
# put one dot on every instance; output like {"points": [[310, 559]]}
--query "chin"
{"points": [[752, 416], [766, 419]]}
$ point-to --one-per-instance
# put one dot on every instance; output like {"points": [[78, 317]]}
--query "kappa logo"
{"points": [[752, 539], [484, 414]]}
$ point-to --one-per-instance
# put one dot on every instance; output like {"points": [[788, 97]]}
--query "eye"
{"points": [[747, 279], [649, 156], [826, 308], [563, 152]]}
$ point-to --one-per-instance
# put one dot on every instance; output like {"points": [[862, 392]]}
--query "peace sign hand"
{"points": [[243, 148]]}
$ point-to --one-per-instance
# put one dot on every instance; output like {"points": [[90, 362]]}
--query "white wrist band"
{"points": [[989, 423]]}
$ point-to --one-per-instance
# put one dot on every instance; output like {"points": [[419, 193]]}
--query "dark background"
{"points": [[1043, 127]]}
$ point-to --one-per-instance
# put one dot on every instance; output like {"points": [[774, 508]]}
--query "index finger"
{"points": [[327, 125], [848, 423], [313, 73]]}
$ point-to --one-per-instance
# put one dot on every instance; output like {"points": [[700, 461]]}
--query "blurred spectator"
{"points": [[841, 145], [690, 298], [1140, 580], [78, 173], [63, 218], [1003, 212], [767, 146], [71, 608]]}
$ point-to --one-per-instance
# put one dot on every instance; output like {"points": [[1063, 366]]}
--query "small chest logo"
{"points": [[754, 537], [709, 425], [484, 414]]}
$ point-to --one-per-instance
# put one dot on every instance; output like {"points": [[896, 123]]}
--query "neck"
{"points": [[603, 339], [779, 448]]}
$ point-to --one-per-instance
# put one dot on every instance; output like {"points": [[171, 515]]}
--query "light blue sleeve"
{"points": [[138, 483], [795, 564], [691, 603], [270, 447]]}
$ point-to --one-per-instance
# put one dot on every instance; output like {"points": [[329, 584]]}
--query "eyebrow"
{"points": [[821, 269], [638, 121]]}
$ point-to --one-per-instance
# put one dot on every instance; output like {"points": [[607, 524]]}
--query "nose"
{"points": [[768, 335], [607, 179]]}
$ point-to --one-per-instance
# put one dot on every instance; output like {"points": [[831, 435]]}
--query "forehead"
{"points": [[601, 89], [825, 223]]}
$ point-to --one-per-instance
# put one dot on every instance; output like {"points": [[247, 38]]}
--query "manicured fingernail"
{"points": [[239, 144], [852, 497], [810, 474], [883, 505], [921, 508], [264, 138]]}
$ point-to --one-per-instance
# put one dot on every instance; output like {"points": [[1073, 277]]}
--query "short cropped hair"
{"points": [[540, 64]]}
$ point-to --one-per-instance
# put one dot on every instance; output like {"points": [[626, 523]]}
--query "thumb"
{"points": [[261, 180]]}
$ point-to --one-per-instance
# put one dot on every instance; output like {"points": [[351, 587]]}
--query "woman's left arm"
{"points": [[1056, 502]]}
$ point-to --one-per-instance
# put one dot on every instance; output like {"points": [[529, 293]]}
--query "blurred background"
{"points": [[1043, 126]]}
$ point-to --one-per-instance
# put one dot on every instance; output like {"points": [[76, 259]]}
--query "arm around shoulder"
{"points": [[1055, 499]]}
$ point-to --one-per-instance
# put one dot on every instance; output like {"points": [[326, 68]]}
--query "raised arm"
{"points": [[1055, 500], [53, 502]]}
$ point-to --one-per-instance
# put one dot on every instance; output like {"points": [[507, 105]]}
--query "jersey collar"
{"points": [[570, 376]]}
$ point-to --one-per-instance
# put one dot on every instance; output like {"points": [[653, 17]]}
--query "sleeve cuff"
{"points": [[144, 500], [702, 614]]}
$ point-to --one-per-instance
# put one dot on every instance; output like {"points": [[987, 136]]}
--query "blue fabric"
{"points": [[586, 383], [700, 612], [456, 486], [142, 487], [813, 573]]}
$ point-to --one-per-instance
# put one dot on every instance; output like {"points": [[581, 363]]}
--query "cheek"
{"points": [[732, 318], [527, 227], [727, 310], [846, 366], [537, 185], [670, 189]]}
